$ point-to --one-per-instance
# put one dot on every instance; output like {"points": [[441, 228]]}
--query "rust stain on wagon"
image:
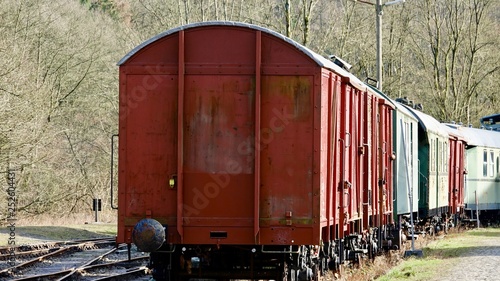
{"points": [[298, 90]]}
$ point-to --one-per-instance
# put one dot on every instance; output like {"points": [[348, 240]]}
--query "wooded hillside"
{"points": [[59, 79]]}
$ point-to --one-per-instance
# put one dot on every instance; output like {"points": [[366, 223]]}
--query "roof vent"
{"points": [[338, 61], [372, 82], [403, 100]]}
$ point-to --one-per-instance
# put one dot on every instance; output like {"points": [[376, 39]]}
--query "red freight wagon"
{"points": [[456, 172], [364, 152], [243, 154]]}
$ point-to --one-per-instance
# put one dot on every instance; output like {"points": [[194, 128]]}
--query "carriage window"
{"points": [[498, 166], [492, 164], [411, 142], [440, 156], [431, 156], [485, 163], [408, 145], [434, 155], [442, 162], [436, 160], [446, 155]]}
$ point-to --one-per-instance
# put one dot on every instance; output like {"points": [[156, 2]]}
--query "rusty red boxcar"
{"points": [[243, 154], [456, 174]]}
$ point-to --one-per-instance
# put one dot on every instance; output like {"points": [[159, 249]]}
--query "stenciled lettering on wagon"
{"points": [[221, 180]]}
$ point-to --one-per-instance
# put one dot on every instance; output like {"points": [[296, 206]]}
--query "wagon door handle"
{"points": [[349, 198], [348, 139]]}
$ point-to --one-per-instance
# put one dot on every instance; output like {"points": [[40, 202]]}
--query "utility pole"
{"points": [[378, 10]]}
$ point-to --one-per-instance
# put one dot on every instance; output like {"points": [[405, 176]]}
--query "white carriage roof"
{"points": [[453, 130], [401, 108], [429, 123], [320, 60], [479, 137]]}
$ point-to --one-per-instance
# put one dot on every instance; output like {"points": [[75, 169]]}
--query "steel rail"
{"points": [[62, 247], [141, 269], [53, 252], [49, 245], [11, 269], [74, 270], [69, 272]]}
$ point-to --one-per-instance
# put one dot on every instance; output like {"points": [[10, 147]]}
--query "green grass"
{"points": [[414, 269], [440, 255], [486, 232]]}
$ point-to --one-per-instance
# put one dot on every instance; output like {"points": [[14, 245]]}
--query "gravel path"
{"points": [[482, 262]]}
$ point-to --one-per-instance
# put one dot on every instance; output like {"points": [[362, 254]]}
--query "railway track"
{"points": [[95, 259]]}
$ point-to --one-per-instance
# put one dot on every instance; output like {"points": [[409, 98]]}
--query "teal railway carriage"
{"points": [[433, 159], [405, 128], [482, 185], [405, 164]]}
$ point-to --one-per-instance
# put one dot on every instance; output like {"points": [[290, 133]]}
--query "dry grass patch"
{"points": [[48, 228]]}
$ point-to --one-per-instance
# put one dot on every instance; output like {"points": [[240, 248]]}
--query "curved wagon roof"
{"points": [[318, 59]]}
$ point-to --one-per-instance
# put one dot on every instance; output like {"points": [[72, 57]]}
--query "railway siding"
{"points": [[75, 260]]}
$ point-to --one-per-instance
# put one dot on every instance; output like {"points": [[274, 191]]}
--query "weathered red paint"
{"points": [[263, 143], [456, 174]]}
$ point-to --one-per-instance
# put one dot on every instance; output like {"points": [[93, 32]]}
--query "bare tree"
{"points": [[397, 69], [450, 45], [57, 107]]}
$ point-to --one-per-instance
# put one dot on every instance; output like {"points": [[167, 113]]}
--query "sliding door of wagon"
{"points": [[147, 150], [288, 196], [218, 159]]}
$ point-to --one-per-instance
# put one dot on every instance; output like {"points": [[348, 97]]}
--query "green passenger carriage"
{"points": [[482, 190], [433, 166]]}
